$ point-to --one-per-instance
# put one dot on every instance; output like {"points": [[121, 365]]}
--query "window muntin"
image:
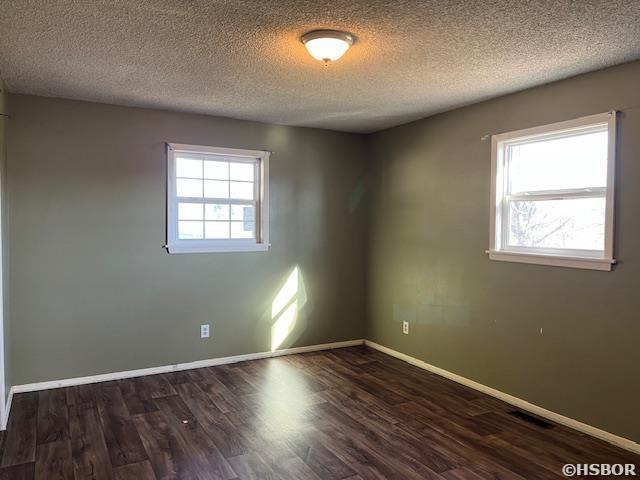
{"points": [[553, 192], [215, 185], [217, 199]]}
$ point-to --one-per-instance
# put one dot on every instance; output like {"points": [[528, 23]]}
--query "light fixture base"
{"points": [[312, 35]]}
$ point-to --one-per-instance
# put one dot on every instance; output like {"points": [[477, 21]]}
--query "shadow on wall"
{"points": [[287, 311]]}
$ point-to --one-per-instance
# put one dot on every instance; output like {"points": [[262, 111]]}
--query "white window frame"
{"points": [[499, 250], [260, 243]]}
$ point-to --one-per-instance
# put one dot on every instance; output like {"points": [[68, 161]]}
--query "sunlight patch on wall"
{"points": [[286, 306], [284, 325], [288, 291]]}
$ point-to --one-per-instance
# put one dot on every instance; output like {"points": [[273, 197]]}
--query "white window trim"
{"points": [[596, 260], [176, 245]]}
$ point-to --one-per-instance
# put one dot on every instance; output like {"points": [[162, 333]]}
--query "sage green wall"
{"points": [[482, 319], [92, 289], [5, 237]]}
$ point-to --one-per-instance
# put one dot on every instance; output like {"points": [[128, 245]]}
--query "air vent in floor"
{"points": [[538, 422]]}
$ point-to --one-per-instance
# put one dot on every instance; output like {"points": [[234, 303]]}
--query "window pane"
{"points": [[573, 224], [189, 230], [243, 212], [216, 189], [189, 188], [242, 190], [188, 167], [215, 211], [579, 161], [242, 229], [216, 229], [217, 170], [242, 171], [190, 211]]}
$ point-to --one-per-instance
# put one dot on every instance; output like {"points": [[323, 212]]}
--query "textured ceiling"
{"points": [[242, 58]]}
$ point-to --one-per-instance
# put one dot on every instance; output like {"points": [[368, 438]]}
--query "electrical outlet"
{"points": [[405, 328], [204, 331]]}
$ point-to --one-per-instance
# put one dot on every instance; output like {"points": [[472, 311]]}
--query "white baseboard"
{"points": [[518, 402], [105, 377]]}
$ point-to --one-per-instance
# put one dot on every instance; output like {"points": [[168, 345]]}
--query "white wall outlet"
{"points": [[204, 331], [405, 328]]}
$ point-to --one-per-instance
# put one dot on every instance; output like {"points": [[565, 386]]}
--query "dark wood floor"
{"points": [[351, 413]]}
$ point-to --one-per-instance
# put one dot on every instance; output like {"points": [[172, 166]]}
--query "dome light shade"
{"points": [[327, 45]]}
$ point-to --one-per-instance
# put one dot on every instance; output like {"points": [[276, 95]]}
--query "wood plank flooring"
{"points": [[350, 413]]}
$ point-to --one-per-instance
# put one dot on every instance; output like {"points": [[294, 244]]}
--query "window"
{"points": [[552, 194], [217, 199]]}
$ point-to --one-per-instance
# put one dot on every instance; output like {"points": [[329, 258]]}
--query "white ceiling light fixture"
{"points": [[327, 45]]}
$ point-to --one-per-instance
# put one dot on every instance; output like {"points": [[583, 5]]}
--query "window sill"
{"points": [[587, 263], [223, 248]]}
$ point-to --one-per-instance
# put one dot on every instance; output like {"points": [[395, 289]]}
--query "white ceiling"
{"points": [[242, 58]]}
